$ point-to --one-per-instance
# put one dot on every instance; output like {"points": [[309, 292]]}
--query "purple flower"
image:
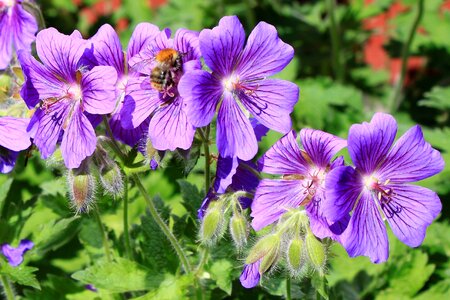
{"points": [[302, 183], [18, 28], [15, 255], [250, 275], [68, 94], [238, 86], [378, 188], [13, 138], [233, 174], [108, 52], [155, 93]]}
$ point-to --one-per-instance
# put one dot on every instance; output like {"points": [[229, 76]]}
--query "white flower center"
{"points": [[75, 92], [370, 182], [122, 83], [230, 83], [7, 3]]}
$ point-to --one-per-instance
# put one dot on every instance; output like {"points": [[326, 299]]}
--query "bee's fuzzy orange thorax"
{"points": [[167, 54]]}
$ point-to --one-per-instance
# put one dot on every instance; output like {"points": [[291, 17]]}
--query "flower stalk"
{"points": [[395, 100], [7, 288]]}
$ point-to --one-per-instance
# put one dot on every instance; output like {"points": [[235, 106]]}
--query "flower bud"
{"points": [[81, 185], [316, 252], [263, 247], [294, 256], [212, 227], [109, 172], [152, 155], [238, 230]]}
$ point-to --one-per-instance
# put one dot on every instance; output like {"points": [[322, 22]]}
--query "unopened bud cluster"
{"points": [[225, 212], [83, 181], [292, 240]]}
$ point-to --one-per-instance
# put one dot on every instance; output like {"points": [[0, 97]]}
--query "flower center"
{"points": [[7, 3], [122, 84], [313, 181], [74, 92], [230, 83], [383, 192]]}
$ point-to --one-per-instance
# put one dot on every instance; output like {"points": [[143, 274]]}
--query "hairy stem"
{"points": [[7, 288], [395, 100], [207, 157], [288, 288], [162, 225], [335, 42], [151, 206], [126, 233], [104, 234]]}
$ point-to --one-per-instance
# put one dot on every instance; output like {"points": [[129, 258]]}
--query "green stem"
{"points": [[288, 288], [335, 42], [7, 288], [104, 235], [207, 157], [151, 206], [395, 100], [162, 225], [126, 233]]}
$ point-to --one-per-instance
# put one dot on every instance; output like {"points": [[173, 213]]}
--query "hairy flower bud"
{"points": [[212, 227], [316, 252], [238, 230], [267, 245], [109, 172], [81, 185], [294, 256]]}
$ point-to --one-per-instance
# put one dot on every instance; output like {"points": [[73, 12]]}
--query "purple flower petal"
{"points": [[131, 137], [140, 102], [343, 186], [187, 43], [107, 49], [99, 91], [24, 28], [366, 233], [284, 157], [15, 255], [411, 159], [13, 133], [60, 53], [410, 211], [142, 35], [170, 129], [79, 140], [6, 38], [250, 275], [40, 83], [319, 224], [265, 53], [222, 45], [235, 135], [260, 130], [273, 198], [271, 101], [46, 127], [369, 143], [226, 169], [201, 93], [7, 160], [321, 146]]}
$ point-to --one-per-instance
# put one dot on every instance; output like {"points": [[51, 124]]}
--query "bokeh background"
{"points": [[348, 63]]}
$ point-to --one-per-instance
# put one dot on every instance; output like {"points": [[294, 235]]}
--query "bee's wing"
{"points": [[143, 66]]}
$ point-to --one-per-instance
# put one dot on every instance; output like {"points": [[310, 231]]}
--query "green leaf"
{"points": [[438, 291], [221, 272], [438, 97], [320, 285], [172, 288], [118, 277], [192, 198], [22, 275], [55, 234]]}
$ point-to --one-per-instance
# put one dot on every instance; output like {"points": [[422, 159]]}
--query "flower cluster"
{"points": [[157, 93]]}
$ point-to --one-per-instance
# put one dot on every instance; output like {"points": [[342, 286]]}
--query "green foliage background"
{"points": [[69, 254]]}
